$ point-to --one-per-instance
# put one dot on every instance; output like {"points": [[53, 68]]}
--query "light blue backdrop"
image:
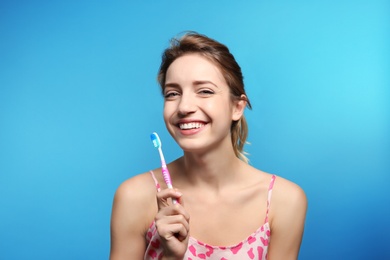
{"points": [[79, 98]]}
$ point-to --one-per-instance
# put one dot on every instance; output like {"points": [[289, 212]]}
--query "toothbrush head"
{"points": [[155, 140]]}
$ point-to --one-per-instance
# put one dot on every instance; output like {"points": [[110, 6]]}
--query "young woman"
{"points": [[226, 208]]}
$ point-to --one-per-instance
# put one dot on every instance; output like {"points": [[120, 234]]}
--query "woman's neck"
{"points": [[214, 170]]}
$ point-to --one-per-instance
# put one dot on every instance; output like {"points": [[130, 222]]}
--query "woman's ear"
{"points": [[239, 107]]}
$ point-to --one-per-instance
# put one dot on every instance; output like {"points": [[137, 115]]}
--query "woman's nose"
{"points": [[187, 104]]}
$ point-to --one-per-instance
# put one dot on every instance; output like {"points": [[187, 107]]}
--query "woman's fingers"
{"points": [[164, 197], [171, 217], [168, 217], [171, 231], [172, 223]]}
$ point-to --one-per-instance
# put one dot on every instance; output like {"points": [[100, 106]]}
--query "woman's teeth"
{"points": [[190, 126]]}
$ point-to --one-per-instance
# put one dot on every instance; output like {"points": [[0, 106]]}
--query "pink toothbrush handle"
{"points": [[167, 178]]}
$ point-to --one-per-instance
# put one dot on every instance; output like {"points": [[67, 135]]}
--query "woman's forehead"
{"points": [[193, 67]]}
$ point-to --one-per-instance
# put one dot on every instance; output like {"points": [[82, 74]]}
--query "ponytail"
{"points": [[239, 133]]}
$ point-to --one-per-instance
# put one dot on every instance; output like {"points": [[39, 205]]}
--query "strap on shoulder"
{"points": [[271, 185], [155, 181]]}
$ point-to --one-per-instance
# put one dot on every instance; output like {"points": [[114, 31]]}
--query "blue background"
{"points": [[79, 98]]}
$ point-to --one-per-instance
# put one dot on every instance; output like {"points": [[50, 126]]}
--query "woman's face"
{"points": [[198, 110]]}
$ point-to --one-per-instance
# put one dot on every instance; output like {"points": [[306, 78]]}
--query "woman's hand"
{"points": [[172, 222]]}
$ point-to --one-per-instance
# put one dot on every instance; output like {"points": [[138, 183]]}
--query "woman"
{"points": [[226, 208]]}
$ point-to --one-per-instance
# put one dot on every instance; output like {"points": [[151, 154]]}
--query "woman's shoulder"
{"points": [[135, 200], [137, 189], [133, 211], [288, 199], [286, 191]]}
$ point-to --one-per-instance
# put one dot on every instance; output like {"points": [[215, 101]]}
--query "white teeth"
{"points": [[190, 126]]}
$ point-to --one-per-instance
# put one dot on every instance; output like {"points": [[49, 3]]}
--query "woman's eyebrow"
{"points": [[195, 83], [202, 82], [173, 85]]}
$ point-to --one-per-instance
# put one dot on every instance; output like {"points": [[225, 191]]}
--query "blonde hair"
{"points": [[219, 54]]}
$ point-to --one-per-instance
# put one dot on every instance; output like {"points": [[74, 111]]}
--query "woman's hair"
{"points": [[220, 55]]}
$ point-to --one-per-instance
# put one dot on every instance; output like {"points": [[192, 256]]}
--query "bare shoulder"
{"points": [[133, 211], [288, 190], [288, 200], [136, 194], [287, 215], [136, 187]]}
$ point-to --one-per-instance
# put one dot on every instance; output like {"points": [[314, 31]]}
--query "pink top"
{"points": [[254, 247]]}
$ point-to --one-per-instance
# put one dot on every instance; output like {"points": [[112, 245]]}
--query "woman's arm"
{"points": [[133, 205], [287, 215]]}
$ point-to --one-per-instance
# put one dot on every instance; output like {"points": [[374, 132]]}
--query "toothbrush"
{"points": [[167, 177]]}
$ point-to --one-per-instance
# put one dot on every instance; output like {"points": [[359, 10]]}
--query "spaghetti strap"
{"points": [[271, 185], [155, 181]]}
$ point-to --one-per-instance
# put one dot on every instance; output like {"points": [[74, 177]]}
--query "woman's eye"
{"points": [[206, 92], [171, 94]]}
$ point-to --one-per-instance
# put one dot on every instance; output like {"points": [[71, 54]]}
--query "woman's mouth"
{"points": [[192, 125]]}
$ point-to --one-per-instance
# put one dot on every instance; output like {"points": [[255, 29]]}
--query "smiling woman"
{"points": [[236, 210], [196, 93]]}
